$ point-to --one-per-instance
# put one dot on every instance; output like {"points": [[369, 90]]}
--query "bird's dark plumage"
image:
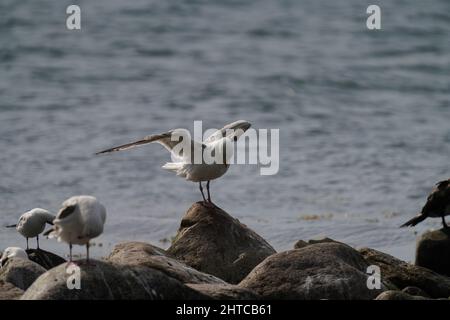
{"points": [[437, 205]]}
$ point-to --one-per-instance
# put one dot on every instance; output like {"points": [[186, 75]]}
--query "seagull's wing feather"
{"points": [[66, 211], [163, 138]]}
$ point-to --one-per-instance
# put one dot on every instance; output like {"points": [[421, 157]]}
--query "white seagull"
{"points": [[80, 219], [13, 252], [217, 144], [32, 223]]}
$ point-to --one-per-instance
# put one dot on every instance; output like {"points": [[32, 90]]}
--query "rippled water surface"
{"points": [[363, 115]]}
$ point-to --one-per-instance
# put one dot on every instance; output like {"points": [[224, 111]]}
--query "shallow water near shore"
{"points": [[363, 116]]}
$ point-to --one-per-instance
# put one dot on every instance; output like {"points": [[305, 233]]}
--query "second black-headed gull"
{"points": [[80, 219]]}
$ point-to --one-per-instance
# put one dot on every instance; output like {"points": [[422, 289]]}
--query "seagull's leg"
{"points": [[444, 223], [70, 252], [37, 240], [87, 252], [201, 190], [207, 189], [27, 244]]}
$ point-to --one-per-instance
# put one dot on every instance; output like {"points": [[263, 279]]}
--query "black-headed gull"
{"points": [[80, 219], [32, 223], [197, 171]]}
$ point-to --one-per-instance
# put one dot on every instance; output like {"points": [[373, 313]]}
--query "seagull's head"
{"points": [[236, 129], [13, 252], [68, 215]]}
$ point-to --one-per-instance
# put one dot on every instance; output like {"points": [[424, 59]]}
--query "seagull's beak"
{"points": [[12, 226], [240, 128], [244, 125]]}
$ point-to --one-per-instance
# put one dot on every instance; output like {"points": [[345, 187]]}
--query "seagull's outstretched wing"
{"points": [[235, 128], [164, 139]]}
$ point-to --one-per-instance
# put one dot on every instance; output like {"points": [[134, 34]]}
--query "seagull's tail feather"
{"points": [[417, 219], [176, 167], [173, 166]]}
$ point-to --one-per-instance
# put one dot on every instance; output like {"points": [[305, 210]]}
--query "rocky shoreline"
{"points": [[214, 256]]}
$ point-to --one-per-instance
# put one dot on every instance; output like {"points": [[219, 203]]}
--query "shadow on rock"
{"points": [[44, 258]]}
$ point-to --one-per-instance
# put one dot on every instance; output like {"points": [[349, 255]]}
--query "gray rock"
{"points": [[20, 272], [433, 251], [225, 291], [211, 241], [9, 292], [108, 281], [403, 274], [414, 291], [44, 258], [398, 295], [301, 244], [143, 254], [318, 271]]}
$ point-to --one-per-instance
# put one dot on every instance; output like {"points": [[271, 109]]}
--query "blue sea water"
{"points": [[364, 116]]}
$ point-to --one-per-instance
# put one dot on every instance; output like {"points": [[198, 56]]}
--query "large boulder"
{"points": [[20, 272], [225, 291], [403, 274], [212, 241], [433, 251], [44, 258], [108, 281], [144, 254], [317, 271], [8, 291]]}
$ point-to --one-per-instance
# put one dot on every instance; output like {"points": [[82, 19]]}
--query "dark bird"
{"points": [[438, 205]]}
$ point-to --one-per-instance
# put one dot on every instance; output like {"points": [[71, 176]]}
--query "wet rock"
{"points": [[44, 258], [403, 274], [144, 254], [9, 292], [433, 251], [212, 241], [20, 272], [398, 295], [108, 281], [317, 271], [225, 292]]}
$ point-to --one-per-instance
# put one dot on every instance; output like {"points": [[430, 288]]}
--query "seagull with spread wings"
{"points": [[184, 166]]}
